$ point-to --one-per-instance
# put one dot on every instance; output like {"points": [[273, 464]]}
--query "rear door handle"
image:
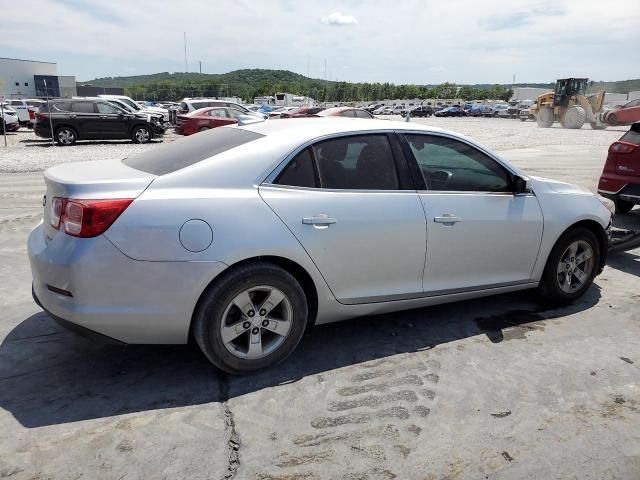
{"points": [[447, 219], [320, 219], [103, 117]]}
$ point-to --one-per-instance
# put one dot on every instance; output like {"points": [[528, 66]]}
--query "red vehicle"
{"points": [[623, 115], [302, 112], [620, 179], [204, 119], [345, 112]]}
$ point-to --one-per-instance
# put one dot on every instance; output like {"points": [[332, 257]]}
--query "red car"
{"points": [[302, 112], [623, 115], [345, 112], [620, 179], [204, 119]]}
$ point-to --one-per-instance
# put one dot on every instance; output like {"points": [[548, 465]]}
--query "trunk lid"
{"points": [[102, 179]]}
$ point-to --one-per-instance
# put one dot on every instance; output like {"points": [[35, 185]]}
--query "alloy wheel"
{"points": [[256, 322], [66, 136], [575, 266], [142, 135]]}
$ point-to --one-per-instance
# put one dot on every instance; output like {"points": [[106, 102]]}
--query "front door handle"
{"points": [[103, 117], [321, 219], [447, 219]]}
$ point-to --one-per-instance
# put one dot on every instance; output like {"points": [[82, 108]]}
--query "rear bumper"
{"points": [[628, 191], [127, 300]]}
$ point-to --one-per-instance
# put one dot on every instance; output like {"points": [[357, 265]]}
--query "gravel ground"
{"points": [[27, 153]]}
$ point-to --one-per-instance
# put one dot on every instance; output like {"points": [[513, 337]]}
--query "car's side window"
{"points": [[218, 112], [105, 108], [82, 107], [450, 165], [299, 172], [357, 162]]}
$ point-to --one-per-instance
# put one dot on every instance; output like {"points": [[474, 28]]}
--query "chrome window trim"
{"points": [[271, 177]]}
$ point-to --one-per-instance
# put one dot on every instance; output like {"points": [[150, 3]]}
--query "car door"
{"points": [[349, 203], [479, 233], [84, 118], [112, 121]]}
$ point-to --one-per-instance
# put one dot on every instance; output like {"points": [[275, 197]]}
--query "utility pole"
{"points": [[325, 79], [185, 52], [200, 62], [49, 111], [308, 68]]}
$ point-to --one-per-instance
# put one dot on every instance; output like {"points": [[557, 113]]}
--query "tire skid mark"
{"points": [[356, 418], [380, 387], [374, 401]]}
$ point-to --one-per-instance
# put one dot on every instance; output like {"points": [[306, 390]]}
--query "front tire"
{"points": [[251, 319], [66, 136], [573, 118], [141, 135], [571, 267], [612, 120]]}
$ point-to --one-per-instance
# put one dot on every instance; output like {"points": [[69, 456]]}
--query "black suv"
{"points": [[94, 120], [421, 111]]}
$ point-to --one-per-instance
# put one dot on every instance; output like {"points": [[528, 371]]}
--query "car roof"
{"points": [[305, 129]]}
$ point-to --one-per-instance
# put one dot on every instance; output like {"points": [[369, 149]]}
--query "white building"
{"points": [[527, 93], [26, 78]]}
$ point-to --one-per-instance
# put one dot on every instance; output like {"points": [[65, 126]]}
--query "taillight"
{"points": [[57, 206], [32, 113], [622, 147], [86, 218]]}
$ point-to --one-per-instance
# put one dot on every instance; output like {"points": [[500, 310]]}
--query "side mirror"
{"points": [[521, 185]]}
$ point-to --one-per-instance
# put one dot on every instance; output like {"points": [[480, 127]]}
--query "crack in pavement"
{"points": [[233, 440]]}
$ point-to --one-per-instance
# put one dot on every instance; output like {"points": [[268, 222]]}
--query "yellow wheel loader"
{"points": [[569, 105]]}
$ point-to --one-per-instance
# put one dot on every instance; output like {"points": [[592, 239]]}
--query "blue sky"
{"points": [[399, 41]]}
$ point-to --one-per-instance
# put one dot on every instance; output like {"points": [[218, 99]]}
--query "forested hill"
{"points": [[250, 83]]}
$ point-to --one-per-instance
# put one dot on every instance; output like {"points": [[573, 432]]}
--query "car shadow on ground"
{"points": [[49, 376]]}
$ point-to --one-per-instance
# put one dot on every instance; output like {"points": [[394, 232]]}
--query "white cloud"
{"points": [[336, 18]]}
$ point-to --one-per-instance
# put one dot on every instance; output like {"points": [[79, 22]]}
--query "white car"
{"points": [[139, 109], [242, 237], [25, 108], [10, 119]]}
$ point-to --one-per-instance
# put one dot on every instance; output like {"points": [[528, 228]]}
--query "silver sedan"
{"points": [[244, 237]]}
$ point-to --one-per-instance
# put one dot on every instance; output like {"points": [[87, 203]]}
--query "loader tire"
{"points": [[573, 118], [545, 117]]}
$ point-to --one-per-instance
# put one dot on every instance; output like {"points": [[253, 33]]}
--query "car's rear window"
{"points": [[633, 135], [189, 151]]}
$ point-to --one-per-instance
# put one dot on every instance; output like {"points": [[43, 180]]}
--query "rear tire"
{"points": [[141, 135], [66, 136], [225, 332], [202, 129], [563, 261], [545, 117], [623, 206], [573, 118]]}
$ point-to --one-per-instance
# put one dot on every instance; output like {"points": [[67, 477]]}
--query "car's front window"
{"points": [[451, 165], [105, 108]]}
